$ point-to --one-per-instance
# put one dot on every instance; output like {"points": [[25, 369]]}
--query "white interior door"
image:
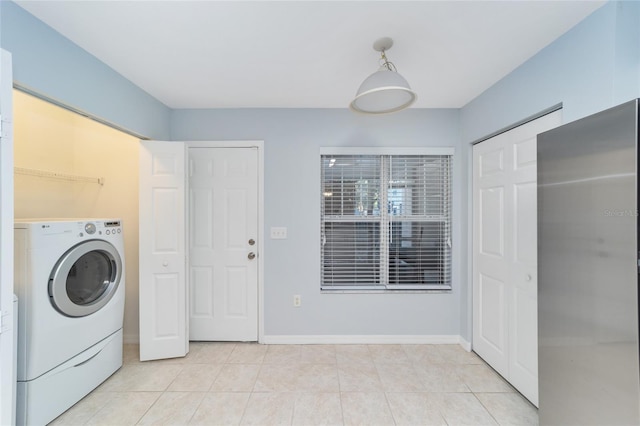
{"points": [[163, 315], [8, 330], [223, 244], [490, 262], [505, 322], [523, 259]]}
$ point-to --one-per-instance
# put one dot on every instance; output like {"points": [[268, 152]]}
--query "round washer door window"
{"points": [[85, 278]]}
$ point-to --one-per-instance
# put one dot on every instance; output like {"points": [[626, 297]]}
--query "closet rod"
{"points": [[56, 175]]}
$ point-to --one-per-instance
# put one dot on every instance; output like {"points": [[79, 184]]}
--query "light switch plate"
{"points": [[278, 233]]}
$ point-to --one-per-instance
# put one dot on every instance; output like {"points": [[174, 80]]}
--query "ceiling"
{"points": [[308, 54]]}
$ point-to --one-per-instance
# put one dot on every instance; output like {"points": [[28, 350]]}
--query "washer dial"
{"points": [[90, 228]]}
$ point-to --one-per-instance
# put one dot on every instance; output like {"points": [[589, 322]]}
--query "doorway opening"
{"points": [[70, 166]]}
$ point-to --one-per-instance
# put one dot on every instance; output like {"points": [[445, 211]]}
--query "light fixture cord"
{"points": [[386, 63]]}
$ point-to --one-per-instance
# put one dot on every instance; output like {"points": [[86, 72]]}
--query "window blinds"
{"points": [[386, 222]]}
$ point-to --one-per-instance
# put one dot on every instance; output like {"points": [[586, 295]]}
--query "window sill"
{"points": [[385, 291]]}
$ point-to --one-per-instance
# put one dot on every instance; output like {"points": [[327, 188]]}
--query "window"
{"points": [[386, 221]]}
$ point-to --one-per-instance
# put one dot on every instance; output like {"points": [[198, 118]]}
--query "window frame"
{"points": [[386, 287]]}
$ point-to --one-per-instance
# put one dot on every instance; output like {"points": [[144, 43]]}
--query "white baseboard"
{"points": [[465, 344], [342, 339], [360, 339]]}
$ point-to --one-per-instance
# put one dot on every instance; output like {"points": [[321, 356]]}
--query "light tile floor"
{"points": [[251, 384]]}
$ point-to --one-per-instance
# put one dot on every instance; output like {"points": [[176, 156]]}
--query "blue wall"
{"points": [[48, 63], [292, 139], [51, 65], [594, 66]]}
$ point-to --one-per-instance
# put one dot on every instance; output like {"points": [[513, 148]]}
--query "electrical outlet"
{"points": [[278, 233], [297, 300]]}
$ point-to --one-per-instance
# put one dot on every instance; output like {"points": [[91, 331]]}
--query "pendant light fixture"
{"points": [[385, 90]]}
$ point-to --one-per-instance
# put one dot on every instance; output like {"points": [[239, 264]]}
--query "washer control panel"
{"points": [[112, 227], [97, 228]]}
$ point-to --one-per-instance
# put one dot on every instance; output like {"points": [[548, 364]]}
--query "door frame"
{"points": [[8, 329], [259, 145]]}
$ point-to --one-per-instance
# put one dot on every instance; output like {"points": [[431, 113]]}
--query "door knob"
{"points": [[165, 263], [251, 256], [252, 242], [527, 277]]}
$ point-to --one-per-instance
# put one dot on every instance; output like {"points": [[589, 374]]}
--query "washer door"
{"points": [[85, 278]]}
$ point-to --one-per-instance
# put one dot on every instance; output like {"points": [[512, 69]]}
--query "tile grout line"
{"points": [[390, 410], [253, 390], [162, 392], [486, 408], [204, 394], [339, 389]]}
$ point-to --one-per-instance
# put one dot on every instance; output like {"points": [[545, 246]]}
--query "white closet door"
{"points": [[490, 263], [523, 259], [505, 323], [163, 319]]}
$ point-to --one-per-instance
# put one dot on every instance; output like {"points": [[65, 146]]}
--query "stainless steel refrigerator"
{"points": [[588, 270]]}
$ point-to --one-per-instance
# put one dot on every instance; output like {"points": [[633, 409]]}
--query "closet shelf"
{"points": [[58, 176]]}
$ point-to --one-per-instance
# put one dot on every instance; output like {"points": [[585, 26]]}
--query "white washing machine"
{"points": [[69, 279]]}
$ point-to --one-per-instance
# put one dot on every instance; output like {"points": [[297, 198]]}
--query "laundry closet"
{"points": [[70, 166]]}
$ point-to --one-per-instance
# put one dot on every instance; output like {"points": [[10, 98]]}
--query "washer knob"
{"points": [[90, 228]]}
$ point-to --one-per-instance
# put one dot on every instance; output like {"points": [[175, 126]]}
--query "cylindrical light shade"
{"points": [[382, 92]]}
